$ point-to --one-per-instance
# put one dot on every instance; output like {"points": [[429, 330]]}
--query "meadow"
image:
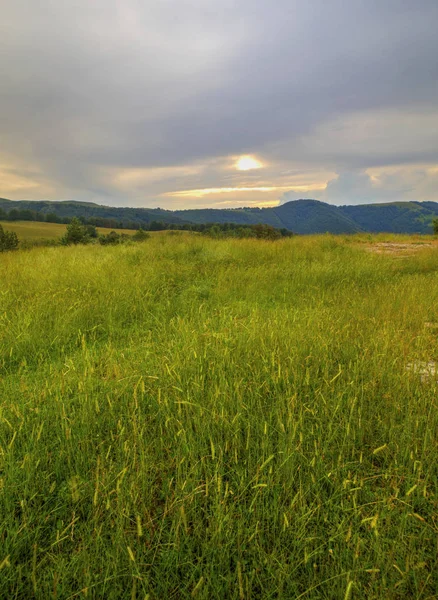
{"points": [[220, 419], [35, 231]]}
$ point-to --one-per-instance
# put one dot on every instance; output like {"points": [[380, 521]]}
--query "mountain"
{"points": [[299, 216], [311, 216]]}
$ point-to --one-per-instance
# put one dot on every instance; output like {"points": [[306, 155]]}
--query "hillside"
{"points": [[394, 217], [311, 216], [124, 216], [299, 216]]}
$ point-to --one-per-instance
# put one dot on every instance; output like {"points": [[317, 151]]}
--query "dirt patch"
{"points": [[398, 248], [426, 370]]}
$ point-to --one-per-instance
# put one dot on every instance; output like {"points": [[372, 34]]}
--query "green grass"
{"points": [[34, 230], [218, 419]]}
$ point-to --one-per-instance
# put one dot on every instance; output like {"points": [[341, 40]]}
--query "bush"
{"points": [[140, 235], [91, 231], [111, 238], [8, 240], [266, 232], [260, 231], [76, 233]]}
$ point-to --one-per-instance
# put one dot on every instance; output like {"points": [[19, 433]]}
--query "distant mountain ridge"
{"points": [[299, 216]]}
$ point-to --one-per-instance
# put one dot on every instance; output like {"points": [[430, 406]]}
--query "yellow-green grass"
{"points": [[35, 230], [189, 417]]}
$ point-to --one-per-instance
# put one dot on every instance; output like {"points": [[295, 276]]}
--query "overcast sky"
{"points": [[193, 103]]}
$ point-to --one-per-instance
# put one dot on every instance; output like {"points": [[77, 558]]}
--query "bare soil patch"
{"points": [[426, 370], [400, 249]]}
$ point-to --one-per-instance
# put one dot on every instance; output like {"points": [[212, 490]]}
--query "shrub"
{"points": [[91, 231], [259, 231], [76, 233], [114, 238], [140, 235], [266, 232], [111, 238], [8, 240]]}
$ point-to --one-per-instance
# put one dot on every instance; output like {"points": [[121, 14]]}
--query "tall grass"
{"points": [[218, 419]]}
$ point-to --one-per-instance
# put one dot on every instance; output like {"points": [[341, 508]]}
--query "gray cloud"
{"points": [[360, 187], [357, 188], [92, 88]]}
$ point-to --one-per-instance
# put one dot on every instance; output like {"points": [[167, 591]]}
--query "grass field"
{"points": [[190, 417], [33, 230]]}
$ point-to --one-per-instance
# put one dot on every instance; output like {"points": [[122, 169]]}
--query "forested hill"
{"points": [[299, 216], [104, 216], [395, 217]]}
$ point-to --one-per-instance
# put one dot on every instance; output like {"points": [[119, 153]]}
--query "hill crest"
{"points": [[304, 216]]}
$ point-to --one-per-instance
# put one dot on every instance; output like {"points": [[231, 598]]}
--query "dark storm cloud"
{"points": [[91, 86]]}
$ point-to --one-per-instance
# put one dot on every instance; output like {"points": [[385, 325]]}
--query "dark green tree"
{"points": [[91, 231], [52, 217], [156, 226], [13, 215], [266, 232], [8, 240], [76, 233]]}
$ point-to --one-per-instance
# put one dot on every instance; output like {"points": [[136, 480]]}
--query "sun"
{"points": [[246, 163]]}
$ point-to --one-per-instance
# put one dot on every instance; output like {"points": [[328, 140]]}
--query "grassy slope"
{"points": [[219, 419], [33, 230]]}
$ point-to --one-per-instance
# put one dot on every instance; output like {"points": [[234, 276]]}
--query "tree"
{"points": [[435, 226], [266, 232], [13, 215], [8, 240], [156, 226], [91, 231], [76, 233], [215, 231], [52, 217]]}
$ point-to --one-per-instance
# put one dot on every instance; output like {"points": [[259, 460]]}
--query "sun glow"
{"points": [[199, 193], [247, 163]]}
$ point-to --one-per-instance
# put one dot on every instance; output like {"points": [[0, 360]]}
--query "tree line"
{"points": [[213, 228], [51, 217], [78, 232]]}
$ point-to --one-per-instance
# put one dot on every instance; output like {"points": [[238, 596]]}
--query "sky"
{"points": [[224, 103]]}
